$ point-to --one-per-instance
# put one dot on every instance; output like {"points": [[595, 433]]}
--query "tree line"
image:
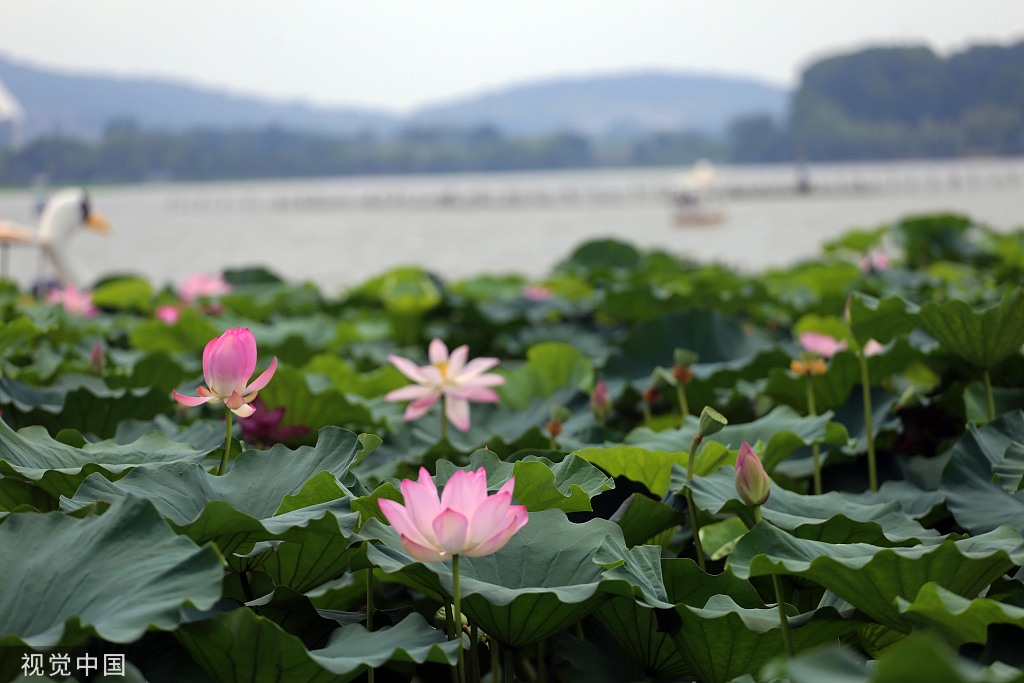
{"points": [[881, 103]]}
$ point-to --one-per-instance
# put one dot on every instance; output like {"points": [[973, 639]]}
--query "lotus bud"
{"points": [[752, 483], [711, 422], [600, 400], [651, 395], [97, 359]]}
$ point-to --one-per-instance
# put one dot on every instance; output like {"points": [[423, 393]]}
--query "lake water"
{"points": [[340, 231]]}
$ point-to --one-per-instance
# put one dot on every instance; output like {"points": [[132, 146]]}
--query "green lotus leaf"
{"points": [[248, 503], [32, 455], [81, 402], [832, 517], [313, 407], [957, 618], [782, 430], [652, 468], [975, 500], [128, 293], [722, 640], [114, 575], [549, 366], [881, 319], [345, 378], [870, 577], [20, 329], [642, 518], [567, 485], [984, 337], [189, 334], [241, 647], [544, 580]]}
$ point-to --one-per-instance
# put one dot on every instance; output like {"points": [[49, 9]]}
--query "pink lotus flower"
{"points": [[752, 483], [228, 363], [873, 348], [202, 286], [168, 314], [600, 400], [875, 260], [821, 344], [452, 377], [535, 292], [73, 300], [464, 521]]}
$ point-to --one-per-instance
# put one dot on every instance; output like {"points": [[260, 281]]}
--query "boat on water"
{"points": [[690, 197]]}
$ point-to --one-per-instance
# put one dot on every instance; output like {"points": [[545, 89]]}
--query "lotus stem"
{"points": [[457, 609], [691, 508], [444, 425], [369, 614], [510, 667], [787, 641], [647, 415], [474, 653], [684, 406], [865, 382], [227, 447], [495, 661], [990, 401], [451, 635], [812, 411]]}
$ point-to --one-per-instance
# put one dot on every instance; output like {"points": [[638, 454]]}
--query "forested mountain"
{"points": [[909, 101]]}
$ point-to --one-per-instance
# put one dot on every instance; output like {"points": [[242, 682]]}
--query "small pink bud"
{"points": [[752, 483], [873, 348], [97, 359], [600, 400], [168, 314]]}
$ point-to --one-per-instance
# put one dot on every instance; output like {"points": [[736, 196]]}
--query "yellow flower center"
{"points": [[443, 367]]}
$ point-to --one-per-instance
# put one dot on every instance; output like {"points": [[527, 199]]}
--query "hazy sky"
{"points": [[399, 54]]}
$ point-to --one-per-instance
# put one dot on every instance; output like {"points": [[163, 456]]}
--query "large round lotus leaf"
{"points": [[31, 454], [722, 640], [240, 647], [115, 575], [870, 577], [544, 580], [958, 619], [255, 500], [981, 337], [977, 502], [833, 517], [634, 624]]}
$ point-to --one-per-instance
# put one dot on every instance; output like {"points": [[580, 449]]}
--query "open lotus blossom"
{"points": [[875, 260], [228, 363], [463, 521], [202, 286], [752, 483], [821, 344], [449, 376], [73, 300]]}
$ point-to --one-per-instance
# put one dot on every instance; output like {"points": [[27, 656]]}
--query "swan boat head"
{"points": [[67, 210]]}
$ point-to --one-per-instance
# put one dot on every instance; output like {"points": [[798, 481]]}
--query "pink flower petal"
{"points": [[457, 411], [226, 363], [457, 360], [518, 519], [422, 504], [421, 553], [450, 528], [244, 410], [419, 407], [873, 348], [476, 367], [398, 517], [821, 344], [465, 491], [437, 352], [488, 519], [412, 392], [407, 368], [477, 394], [264, 378], [190, 401]]}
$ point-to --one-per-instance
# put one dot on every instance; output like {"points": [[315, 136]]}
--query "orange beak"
{"points": [[97, 222]]}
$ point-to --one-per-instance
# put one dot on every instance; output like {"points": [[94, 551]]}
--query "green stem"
{"points": [[451, 635], [474, 653], [510, 667], [684, 406], [457, 609], [865, 382], [815, 449], [691, 508], [647, 414], [990, 401], [227, 447], [492, 644], [444, 425], [369, 614], [787, 642], [542, 661]]}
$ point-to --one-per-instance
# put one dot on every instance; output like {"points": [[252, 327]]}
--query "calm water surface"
{"points": [[340, 231]]}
